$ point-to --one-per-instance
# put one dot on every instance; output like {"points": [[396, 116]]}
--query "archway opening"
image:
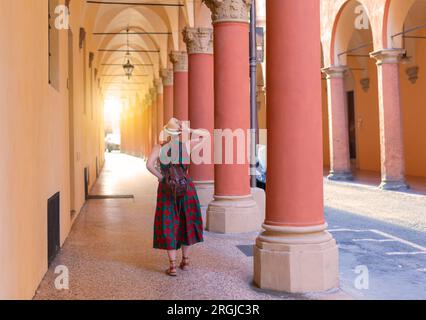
{"points": [[352, 45]]}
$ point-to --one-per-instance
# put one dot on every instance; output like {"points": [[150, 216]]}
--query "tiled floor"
{"points": [[109, 252]]}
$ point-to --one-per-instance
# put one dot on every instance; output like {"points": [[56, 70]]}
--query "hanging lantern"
{"points": [[128, 68]]}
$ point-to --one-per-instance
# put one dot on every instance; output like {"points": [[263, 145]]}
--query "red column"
{"points": [[168, 93], [199, 42], [340, 163], [390, 114], [294, 253], [233, 208], [154, 114], [180, 95], [160, 108]]}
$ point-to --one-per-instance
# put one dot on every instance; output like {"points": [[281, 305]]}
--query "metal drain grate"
{"points": [[246, 249], [106, 197]]}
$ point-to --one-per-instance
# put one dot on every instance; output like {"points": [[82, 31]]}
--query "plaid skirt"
{"points": [[178, 222]]}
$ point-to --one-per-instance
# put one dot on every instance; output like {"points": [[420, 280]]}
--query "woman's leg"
{"points": [[172, 259], [186, 250], [185, 258]]}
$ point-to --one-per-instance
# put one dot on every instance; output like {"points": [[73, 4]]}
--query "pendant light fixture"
{"points": [[128, 66]]}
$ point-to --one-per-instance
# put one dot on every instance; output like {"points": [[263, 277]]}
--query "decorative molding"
{"points": [[334, 72], [179, 60], [229, 10], [365, 84], [159, 86], [167, 76], [413, 74], [387, 56], [198, 40]]}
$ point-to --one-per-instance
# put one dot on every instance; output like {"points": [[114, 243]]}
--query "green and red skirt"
{"points": [[178, 222]]}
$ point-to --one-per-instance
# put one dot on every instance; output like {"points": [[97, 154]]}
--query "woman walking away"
{"points": [[178, 221]]}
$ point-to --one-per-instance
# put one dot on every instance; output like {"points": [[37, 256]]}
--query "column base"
{"points": [[205, 192], [227, 214], [340, 176], [394, 185], [296, 260]]}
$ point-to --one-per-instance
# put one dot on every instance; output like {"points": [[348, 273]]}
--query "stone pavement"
{"points": [[109, 252]]}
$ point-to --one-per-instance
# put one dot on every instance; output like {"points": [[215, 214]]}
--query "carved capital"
{"points": [[388, 56], [198, 40], [179, 60], [334, 72], [229, 10], [167, 76]]}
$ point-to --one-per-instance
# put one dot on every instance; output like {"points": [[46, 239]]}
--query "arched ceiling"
{"points": [[161, 24]]}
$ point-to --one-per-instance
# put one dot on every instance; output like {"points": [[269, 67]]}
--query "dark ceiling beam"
{"points": [[125, 50], [135, 64], [414, 37], [130, 33], [151, 4], [123, 75]]}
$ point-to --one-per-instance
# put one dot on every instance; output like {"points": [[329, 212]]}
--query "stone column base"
{"points": [[340, 176], [205, 192], [394, 185], [296, 260], [233, 215]]}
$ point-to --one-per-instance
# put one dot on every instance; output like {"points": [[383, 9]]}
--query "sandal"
{"points": [[171, 271], [184, 265]]}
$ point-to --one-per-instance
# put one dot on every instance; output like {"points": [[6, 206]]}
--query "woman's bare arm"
{"points": [[152, 160]]}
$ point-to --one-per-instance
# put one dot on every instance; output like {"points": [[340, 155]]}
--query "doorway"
{"points": [[86, 183], [53, 227], [351, 125]]}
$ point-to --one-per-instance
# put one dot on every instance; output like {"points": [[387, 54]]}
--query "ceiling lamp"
{"points": [[128, 66]]}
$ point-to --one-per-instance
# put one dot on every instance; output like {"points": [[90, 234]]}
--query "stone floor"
{"points": [[109, 252]]}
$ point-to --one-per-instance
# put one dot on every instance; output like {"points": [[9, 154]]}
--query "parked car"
{"points": [[261, 166], [112, 142]]}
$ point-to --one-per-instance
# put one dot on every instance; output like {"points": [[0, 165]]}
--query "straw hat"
{"points": [[173, 127]]}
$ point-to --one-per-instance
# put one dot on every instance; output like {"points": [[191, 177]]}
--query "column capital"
{"points": [[158, 83], [388, 56], [229, 10], [152, 93], [179, 60], [333, 72], [167, 76], [198, 40]]}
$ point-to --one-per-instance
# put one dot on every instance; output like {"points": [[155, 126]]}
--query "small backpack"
{"points": [[176, 179]]}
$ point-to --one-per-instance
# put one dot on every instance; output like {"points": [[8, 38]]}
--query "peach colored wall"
{"points": [[414, 114], [367, 121], [35, 158]]}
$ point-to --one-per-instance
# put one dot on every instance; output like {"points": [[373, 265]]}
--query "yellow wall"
{"points": [[414, 114], [367, 120], [35, 160]]}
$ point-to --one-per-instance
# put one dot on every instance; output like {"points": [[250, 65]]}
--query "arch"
{"points": [[343, 27], [395, 14]]}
